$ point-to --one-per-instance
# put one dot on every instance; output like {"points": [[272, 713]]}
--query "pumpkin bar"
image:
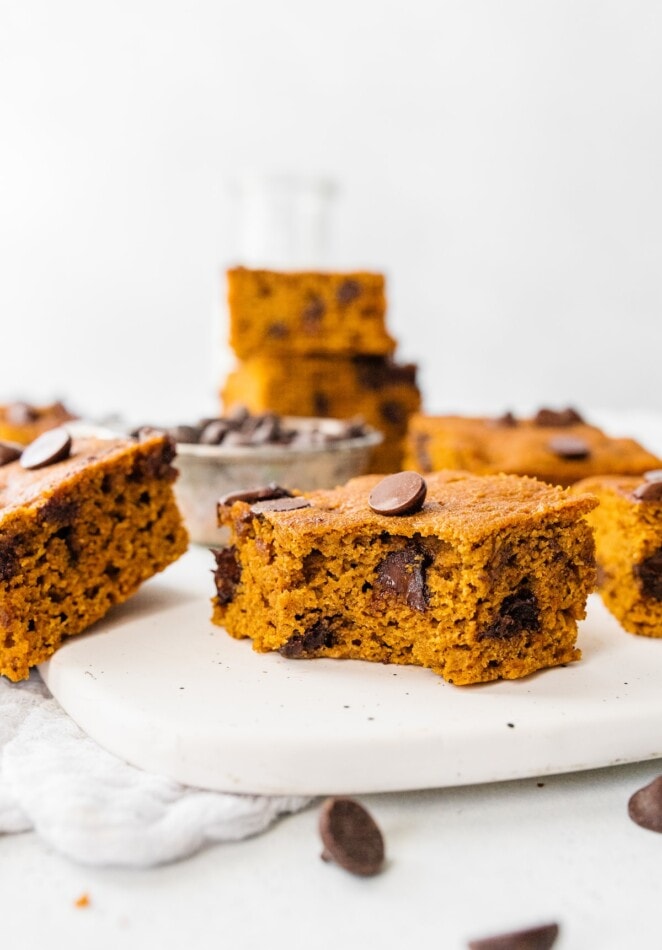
{"points": [[79, 535], [377, 389], [307, 312], [628, 538], [486, 581], [554, 446], [22, 422]]}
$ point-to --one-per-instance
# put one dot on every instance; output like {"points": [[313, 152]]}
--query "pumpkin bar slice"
{"points": [[307, 312], [628, 538], [555, 446], [83, 523], [486, 581]]}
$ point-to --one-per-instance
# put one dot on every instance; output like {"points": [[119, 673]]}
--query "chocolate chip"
{"points": [[553, 417], [393, 412], [312, 314], [569, 447], [321, 404], [50, 447], [402, 573], [251, 495], [9, 452], [317, 637], [279, 504], [518, 612], [649, 573], [186, 434], [351, 837], [645, 806], [349, 290], [277, 331], [651, 490], [506, 421], [399, 494], [535, 938], [21, 414], [227, 574]]}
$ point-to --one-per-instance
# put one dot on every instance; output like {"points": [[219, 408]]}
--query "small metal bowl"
{"points": [[206, 472]]}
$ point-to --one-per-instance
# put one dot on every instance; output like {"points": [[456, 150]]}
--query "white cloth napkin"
{"points": [[96, 809]]}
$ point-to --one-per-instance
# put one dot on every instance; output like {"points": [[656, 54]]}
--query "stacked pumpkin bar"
{"points": [[316, 344]]}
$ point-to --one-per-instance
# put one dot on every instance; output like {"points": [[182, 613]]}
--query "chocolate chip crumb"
{"points": [[279, 504], [402, 573], [351, 837], [649, 574], [251, 495], [317, 637], [347, 291], [227, 574], [400, 494], [518, 612], [534, 938], [645, 806]]}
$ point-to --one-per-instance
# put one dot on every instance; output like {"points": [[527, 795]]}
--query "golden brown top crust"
{"points": [[621, 485], [486, 445], [23, 489], [458, 505], [282, 276]]}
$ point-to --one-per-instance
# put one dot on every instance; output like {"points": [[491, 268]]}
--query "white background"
{"points": [[500, 161]]}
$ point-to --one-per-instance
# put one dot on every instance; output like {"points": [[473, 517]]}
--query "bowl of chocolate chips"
{"points": [[242, 452]]}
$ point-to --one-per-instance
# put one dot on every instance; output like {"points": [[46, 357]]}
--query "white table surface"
{"points": [[462, 862]]}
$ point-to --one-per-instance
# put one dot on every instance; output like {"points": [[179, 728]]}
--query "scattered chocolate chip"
{"points": [[185, 434], [277, 331], [279, 504], [651, 489], [312, 314], [535, 938], [21, 414], [227, 574], [351, 837], [393, 412], [347, 291], [9, 452], [403, 573], [506, 421], [645, 806], [50, 447], [569, 447], [649, 573], [213, 432], [518, 612], [317, 637], [251, 495], [553, 417], [399, 494], [377, 372]]}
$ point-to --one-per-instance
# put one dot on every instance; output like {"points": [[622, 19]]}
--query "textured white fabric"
{"points": [[96, 809]]}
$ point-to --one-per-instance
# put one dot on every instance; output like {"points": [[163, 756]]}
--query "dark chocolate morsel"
{"points": [[518, 612], [312, 314], [553, 417], [650, 489], [349, 290], [649, 574], [251, 495], [506, 421], [21, 414], [403, 573], [569, 447], [277, 331], [399, 494], [9, 452], [227, 574], [317, 637], [393, 412], [186, 434], [279, 504], [534, 938], [645, 806], [50, 447], [351, 837]]}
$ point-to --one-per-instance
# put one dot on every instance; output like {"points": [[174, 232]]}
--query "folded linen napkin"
{"points": [[96, 809]]}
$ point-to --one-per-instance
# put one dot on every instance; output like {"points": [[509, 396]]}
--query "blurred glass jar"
{"points": [[281, 221]]}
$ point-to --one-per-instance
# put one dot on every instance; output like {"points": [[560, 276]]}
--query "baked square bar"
{"points": [[307, 312], [375, 388], [554, 446], [487, 581], [78, 536], [628, 539]]}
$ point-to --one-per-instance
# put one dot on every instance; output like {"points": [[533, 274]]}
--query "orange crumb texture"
{"points": [[487, 581], [77, 537], [307, 312]]}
